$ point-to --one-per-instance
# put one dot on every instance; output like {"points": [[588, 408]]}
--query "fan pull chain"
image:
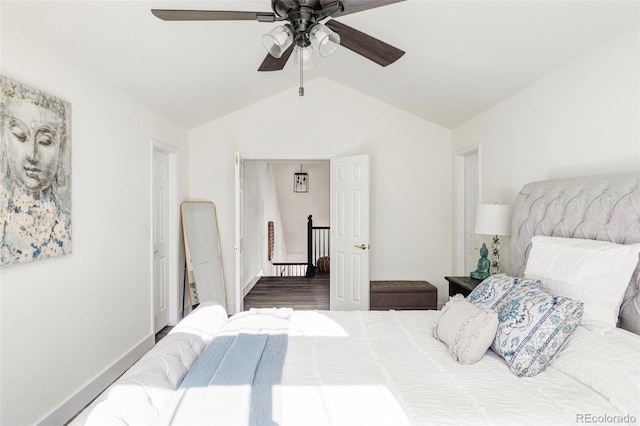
{"points": [[301, 89]]}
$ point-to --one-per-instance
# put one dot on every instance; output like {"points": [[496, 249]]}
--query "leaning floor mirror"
{"points": [[202, 253]]}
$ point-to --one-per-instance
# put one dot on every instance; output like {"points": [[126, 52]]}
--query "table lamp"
{"points": [[493, 219]]}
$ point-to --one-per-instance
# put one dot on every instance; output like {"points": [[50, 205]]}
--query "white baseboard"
{"points": [[77, 402], [250, 285]]}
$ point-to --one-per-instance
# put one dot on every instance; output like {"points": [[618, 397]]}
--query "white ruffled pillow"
{"points": [[467, 330], [594, 272]]}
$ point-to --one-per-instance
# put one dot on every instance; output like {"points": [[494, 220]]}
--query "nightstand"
{"points": [[461, 285]]}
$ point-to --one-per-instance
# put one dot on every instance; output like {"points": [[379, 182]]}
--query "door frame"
{"points": [[173, 233], [458, 231], [241, 157]]}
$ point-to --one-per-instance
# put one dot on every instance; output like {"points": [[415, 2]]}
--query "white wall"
{"points": [[66, 320], [272, 213], [582, 119], [410, 169], [260, 207], [295, 207]]}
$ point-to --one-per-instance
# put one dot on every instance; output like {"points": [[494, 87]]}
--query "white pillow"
{"points": [[594, 272], [467, 330]]}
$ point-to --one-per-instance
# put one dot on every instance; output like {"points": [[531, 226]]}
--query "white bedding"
{"points": [[384, 368], [391, 361]]}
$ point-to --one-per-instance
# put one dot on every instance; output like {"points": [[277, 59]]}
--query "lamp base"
{"points": [[495, 251]]}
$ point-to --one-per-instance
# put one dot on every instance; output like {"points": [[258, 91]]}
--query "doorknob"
{"points": [[155, 252], [363, 246]]}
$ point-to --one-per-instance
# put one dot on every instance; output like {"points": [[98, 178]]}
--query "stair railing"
{"points": [[317, 245]]}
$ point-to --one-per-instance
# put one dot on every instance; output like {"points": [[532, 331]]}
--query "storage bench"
{"points": [[402, 295]]}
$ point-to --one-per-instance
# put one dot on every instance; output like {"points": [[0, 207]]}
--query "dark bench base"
{"points": [[402, 295]]}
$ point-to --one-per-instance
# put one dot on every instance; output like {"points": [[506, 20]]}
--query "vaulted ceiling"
{"points": [[461, 57]]}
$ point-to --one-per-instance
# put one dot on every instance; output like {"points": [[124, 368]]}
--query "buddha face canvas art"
{"points": [[35, 174]]}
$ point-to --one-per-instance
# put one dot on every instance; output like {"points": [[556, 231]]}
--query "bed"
{"points": [[284, 367]]}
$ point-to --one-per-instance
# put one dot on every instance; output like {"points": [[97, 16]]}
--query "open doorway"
{"points": [[285, 233]]}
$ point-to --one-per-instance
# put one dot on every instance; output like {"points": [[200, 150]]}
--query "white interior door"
{"points": [[239, 279], [349, 279], [471, 200], [160, 239]]}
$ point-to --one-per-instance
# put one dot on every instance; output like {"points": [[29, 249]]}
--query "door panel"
{"points": [[349, 280], [160, 240]]}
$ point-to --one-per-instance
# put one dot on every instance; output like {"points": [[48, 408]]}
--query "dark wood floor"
{"points": [[299, 293], [162, 333]]}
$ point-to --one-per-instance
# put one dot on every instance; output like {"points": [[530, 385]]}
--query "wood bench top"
{"points": [[399, 286]]}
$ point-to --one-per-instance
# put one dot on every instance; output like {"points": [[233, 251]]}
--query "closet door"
{"points": [[160, 239]]}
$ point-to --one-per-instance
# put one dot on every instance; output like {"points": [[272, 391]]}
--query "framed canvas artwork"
{"points": [[35, 174]]}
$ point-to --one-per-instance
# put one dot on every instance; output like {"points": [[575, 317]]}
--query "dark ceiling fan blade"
{"points": [[276, 64], [212, 15], [353, 6], [363, 44]]}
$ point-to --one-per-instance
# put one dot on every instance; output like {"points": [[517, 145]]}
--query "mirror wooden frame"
{"points": [[203, 254]]}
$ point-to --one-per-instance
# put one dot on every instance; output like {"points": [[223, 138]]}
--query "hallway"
{"points": [[299, 293]]}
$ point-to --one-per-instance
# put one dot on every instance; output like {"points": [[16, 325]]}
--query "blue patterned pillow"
{"points": [[533, 327], [497, 288]]}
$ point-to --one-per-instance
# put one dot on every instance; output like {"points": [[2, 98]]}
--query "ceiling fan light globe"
{"points": [[324, 39], [278, 40], [308, 60]]}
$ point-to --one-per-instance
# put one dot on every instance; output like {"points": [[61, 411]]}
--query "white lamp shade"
{"points": [[493, 219], [308, 60], [278, 40], [324, 39]]}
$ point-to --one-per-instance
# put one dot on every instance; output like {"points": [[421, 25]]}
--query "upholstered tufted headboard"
{"points": [[605, 207]]}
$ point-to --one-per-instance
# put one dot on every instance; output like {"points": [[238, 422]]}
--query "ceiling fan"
{"points": [[303, 30]]}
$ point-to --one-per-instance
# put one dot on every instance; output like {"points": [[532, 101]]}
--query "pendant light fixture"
{"points": [[300, 181]]}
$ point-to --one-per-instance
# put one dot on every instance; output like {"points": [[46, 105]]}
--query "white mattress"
{"points": [[384, 368]]}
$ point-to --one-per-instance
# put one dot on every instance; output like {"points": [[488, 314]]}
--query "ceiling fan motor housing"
{"points": [[303, 14], [282, 8], [303, 28], [301, 20]]}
